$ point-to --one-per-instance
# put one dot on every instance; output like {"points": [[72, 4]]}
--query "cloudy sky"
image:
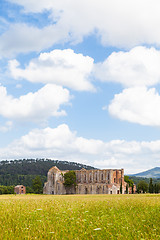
{"points": [[80, 81]]}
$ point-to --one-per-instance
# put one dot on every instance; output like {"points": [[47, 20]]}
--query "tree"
{"points": [[6, 189], [70, 179], [142, 187], [129, 181], [29, 190], [37, 185], [127, 189], [151, 189], [157, 187], [121, 189], [132, 189]]}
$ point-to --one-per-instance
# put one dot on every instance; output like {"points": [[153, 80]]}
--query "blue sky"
{"points": [[80, 81]]}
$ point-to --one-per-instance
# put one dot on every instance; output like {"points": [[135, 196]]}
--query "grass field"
{"points": [[80, 217]]}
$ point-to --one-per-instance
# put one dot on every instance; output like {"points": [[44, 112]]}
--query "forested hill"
{"points": [[24, 171], [37, 166]]}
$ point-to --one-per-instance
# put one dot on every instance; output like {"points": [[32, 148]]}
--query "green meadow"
{"points": [[80, 217]]}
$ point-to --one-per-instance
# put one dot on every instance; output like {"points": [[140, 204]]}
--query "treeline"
{"points": [[15, 179], [6, 190], [147, 185], [35, 187], [136, 180], [144, 187]]}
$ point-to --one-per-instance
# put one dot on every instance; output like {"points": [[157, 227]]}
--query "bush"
{"points": [[6, 189], [142, 187]]}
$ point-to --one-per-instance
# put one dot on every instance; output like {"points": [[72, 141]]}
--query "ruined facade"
{"points": [[107, 181], [20, 189]]}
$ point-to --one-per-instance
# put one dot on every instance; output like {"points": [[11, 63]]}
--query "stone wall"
{"points": [[107, 181], [20, 189]]}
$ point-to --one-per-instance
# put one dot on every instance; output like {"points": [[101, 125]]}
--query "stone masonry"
{"points": [[107, 181]]}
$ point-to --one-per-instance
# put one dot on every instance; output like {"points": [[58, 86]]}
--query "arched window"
{"points": [[96, 176], [108, 176], [90, 177], [79, 176], [102, 176]]}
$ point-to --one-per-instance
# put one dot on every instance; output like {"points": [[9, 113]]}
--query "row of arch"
{"points": [[83, 177]]}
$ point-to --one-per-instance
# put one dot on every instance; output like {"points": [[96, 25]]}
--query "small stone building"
{"points": [[20, 189], [107, 181]]}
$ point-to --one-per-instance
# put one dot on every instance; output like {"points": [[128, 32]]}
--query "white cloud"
{"points": [[63, 144], [62, 67], [124, 23], [23, 38], [138, 67], [137, 105], [36, 106]]}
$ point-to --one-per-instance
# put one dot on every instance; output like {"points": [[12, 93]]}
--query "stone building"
{"points": [[20, 189], [107, 181]]}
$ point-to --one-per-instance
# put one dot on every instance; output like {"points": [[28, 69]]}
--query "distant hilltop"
{"points": [[151, 173]]}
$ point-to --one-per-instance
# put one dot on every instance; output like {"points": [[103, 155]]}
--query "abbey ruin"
{"points": [[107, 181]]}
